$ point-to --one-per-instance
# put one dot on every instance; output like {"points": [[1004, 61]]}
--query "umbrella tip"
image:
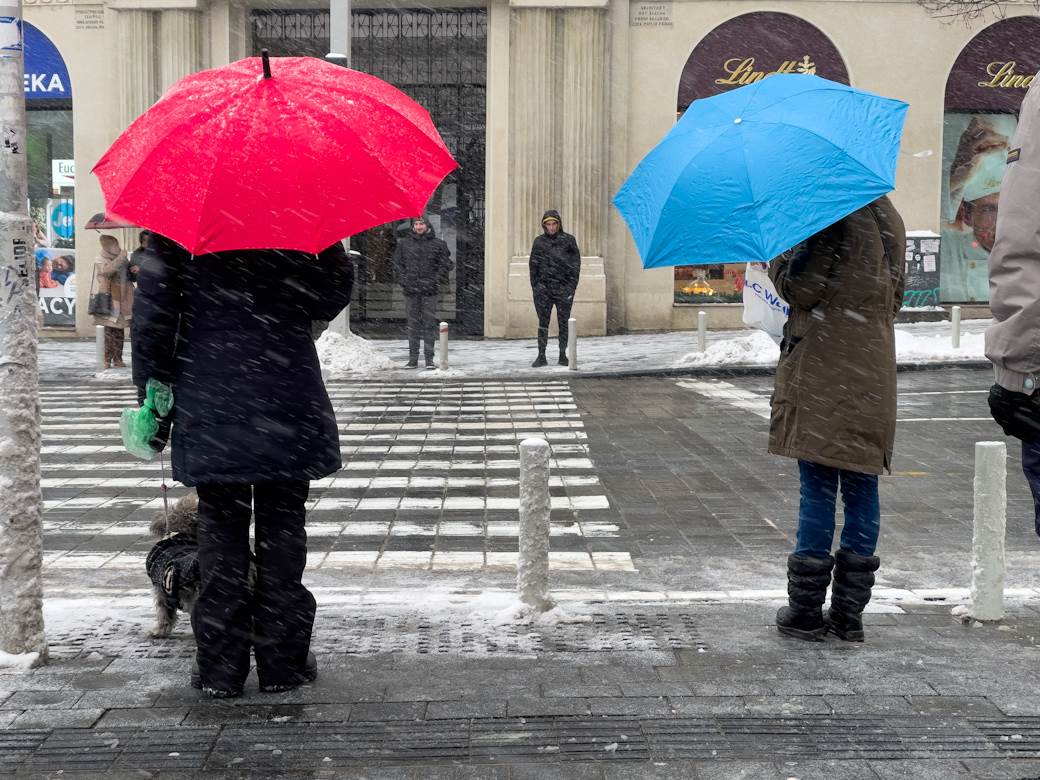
{"points": [[267, 63]]}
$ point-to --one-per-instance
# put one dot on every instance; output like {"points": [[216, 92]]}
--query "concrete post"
{"points": [[21, 502], [532, 568], [702, 331], [987, 544], [99, 348], [572, 343], [444, 346], [955, 327]]}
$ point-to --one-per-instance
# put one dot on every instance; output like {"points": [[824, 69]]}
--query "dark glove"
{"points": [[162, 436], [1016, 413]]}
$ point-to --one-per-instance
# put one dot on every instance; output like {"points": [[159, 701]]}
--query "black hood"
{"points": [[556, 215], [408, 232]]}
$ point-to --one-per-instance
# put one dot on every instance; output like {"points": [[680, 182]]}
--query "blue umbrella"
{"points": [[746, 175]]}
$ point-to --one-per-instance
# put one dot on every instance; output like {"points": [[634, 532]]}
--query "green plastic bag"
{"points": [[138, 426]]}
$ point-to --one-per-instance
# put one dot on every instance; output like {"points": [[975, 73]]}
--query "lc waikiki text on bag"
{"points": [[763, 307]]}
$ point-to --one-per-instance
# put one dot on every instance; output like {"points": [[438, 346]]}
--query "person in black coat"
{"points": [[252, 424], [422, 263], [555, 267]]}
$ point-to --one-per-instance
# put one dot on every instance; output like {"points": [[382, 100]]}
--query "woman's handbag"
{"points": [[100, 303]]}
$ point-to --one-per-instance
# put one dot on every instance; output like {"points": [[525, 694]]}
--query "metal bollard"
{"points": [[987, 544], [444, 346], [955, 326], [702, 331], [532, 567], [99, 347], [572, 343]]}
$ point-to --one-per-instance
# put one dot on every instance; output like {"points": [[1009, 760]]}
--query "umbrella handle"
{"points": [[265, 57]]}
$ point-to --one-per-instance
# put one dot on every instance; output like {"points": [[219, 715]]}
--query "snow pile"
{"points": [[20, 663], [754, 348], [343, 355], [929, 347]]}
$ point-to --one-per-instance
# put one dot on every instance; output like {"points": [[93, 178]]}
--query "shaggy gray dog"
{"points": [[173, 563]]}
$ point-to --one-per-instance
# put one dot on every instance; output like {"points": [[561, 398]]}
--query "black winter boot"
{"points": [[853, 579], [540, 361], [807, 581]]}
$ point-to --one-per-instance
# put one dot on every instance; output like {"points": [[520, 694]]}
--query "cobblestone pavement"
{"points": [[670, 528]]}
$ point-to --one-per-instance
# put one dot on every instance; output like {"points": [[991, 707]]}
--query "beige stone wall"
{"points": [[893, 48], [890, 47]]}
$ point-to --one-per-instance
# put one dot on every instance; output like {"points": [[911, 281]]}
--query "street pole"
{"points": [[339, 54], [21, 503]]}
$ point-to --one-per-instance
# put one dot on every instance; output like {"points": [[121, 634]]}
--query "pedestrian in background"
{"points": [[1013, 340], [422, 263], [555, 267], [252, 424], [834, 408], [139, 255], [112, 298]]}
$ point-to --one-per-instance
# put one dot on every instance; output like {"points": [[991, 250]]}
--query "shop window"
{"points": [[984, 92]]}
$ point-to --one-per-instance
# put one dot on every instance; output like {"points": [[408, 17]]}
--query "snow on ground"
{"points": [[353, 357], [18, 664], [342, 356]]}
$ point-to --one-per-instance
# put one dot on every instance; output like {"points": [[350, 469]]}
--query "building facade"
{"points": [[546, 104]]}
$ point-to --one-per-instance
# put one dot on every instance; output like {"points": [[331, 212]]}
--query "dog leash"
{"points": [[163, 489]]}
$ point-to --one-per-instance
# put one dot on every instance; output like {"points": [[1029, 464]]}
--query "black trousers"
{"points": [[543, 305], [421, 313], [275, 615]]}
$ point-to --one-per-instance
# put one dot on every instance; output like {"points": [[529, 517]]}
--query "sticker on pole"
{"points": [[10, 35]]}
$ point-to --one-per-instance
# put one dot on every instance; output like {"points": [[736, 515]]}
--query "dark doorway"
{"points": [[439, 58]]}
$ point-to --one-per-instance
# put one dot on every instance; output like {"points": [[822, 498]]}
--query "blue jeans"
{"points": [[819, 493]]}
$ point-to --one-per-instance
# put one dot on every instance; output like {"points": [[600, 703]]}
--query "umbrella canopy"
{"points": [[102, 221], [290, 153], [746, 175]]}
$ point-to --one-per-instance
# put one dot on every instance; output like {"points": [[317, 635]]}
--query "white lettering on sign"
{"points": [[61, 306], [44, 82]]}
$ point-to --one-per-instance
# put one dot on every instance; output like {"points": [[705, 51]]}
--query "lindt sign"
{"points": [[750, 47], [993, 72]]}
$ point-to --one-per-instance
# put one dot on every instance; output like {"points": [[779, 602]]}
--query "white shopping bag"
{"points": [[763, 307]]}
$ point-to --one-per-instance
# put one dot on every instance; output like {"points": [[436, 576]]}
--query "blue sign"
{"points": [[46, 77], [63, 219]]}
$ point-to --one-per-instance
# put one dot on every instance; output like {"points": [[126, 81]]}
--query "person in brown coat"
{"points": [[112, 275], [834, 408]]}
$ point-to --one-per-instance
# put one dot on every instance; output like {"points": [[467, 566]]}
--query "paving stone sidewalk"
{"points": [[610, 691]]}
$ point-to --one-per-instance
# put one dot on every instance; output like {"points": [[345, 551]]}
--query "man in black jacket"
{"points": [[252, 425], [422, 262], [555, 266]]}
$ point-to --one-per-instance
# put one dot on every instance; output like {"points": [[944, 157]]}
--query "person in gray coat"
{"points": [[422, 263], [1013, 340]]}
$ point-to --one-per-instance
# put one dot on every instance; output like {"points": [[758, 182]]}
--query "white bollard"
{"points": [[955, 327], [572, 343], [532, 568], [99, 348], [702, 331], [987, 544], [444, 346]]}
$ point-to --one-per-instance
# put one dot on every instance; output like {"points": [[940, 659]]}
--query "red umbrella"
{"points": [[290, 153]]}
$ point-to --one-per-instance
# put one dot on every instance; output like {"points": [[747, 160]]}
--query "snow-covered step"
{"points": [[414, 560]]}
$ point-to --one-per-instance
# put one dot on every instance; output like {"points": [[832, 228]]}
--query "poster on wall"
{"points": [[742, 51], [984, 92], [975, 148], [56, 283]]}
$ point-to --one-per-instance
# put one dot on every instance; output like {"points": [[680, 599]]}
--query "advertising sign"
{"points": [[56, 281]]}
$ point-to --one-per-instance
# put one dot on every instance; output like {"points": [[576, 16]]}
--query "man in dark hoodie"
{"points": [[422, 262], [555, 266]]}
